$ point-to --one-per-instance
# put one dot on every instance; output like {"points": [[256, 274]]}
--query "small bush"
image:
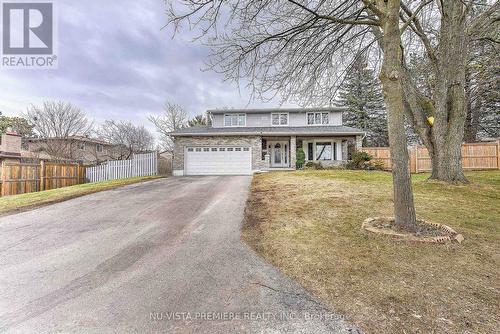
{"points": [[314, 165], [378, 165], [301, 158], [359, 160], [362, 160]]}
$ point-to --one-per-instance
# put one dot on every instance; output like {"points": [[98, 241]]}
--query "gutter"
{"points": [[210, 134]]}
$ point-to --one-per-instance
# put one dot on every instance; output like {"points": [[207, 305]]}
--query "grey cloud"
{"points": [[115, 62]]}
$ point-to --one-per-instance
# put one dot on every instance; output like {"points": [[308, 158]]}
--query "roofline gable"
{"points": [[276, 110]]}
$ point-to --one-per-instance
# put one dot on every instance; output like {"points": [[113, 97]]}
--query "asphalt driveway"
{"points": [[160, 256]]}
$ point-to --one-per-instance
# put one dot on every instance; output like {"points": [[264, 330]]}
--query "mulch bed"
{"points": [[426, 232]]}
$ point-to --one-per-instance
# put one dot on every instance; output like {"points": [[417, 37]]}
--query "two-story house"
{"points": [[78, 148], [245, 141]]}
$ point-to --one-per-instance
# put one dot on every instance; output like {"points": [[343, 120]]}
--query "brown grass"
{"points": [[28, 201], [308, 225]]}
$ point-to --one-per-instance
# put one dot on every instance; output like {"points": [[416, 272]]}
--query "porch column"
{"points": [[359, 143], [344, 146], [293, 151]]}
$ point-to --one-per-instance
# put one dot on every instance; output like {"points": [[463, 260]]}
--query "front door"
{"points": [[279, 154]]}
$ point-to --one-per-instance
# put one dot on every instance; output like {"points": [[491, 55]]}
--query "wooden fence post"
{"points": [[81, 173], [2, 191], [42, 175], [413, 159], [416, 158], [498, 153]]}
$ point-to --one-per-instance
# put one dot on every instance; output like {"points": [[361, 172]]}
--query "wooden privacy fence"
{"points": [[475, 156], [25, 178], [140, 165]]}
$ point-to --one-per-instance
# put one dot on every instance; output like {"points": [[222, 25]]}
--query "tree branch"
{"points": [[419, 31], [413, 16], [334, 19]]}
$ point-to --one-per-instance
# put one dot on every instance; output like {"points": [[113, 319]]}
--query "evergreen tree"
{"points": [[199, 120], [17, 124], [361, 94]]}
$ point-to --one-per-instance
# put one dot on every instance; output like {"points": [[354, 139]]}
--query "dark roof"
{"points": [[74, 138], [10, 155], [277, 130], [268, 110]]}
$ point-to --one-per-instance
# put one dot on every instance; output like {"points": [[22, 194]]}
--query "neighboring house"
{"points": [[83, 149], [249, 140], [10, 147]]}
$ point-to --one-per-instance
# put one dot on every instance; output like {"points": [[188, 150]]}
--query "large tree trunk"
{"points": [[390, 76], [449, 118], [448, 107]]}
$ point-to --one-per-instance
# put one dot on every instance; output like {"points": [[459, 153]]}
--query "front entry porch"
{"points": [[279, 153]]}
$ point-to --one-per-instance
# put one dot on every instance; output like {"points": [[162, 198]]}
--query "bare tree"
{"points": [[174, 117], [302, 48], [126, 138], [58, 123], [297, 48], [483, 92], [443, 31]]}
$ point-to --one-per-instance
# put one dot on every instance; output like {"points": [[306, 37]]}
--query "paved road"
{"points": [[130, 259]]}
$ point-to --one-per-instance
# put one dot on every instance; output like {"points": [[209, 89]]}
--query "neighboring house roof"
{"points": [[270, 110], [277, 130], [9, 155], [75, 138]]}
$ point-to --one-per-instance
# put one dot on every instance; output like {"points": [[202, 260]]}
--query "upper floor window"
{"points": [[235, 119], [279, 119], [99, 148], [81, 146], [317, 118]]}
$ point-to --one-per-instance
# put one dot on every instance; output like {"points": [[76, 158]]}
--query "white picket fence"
{"points": [[140, 165]]}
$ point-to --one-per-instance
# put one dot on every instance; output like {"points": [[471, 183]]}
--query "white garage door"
{"points": [[218, 160]]}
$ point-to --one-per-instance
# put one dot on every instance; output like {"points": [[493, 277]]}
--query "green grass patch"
{"points": [[10, 204]]}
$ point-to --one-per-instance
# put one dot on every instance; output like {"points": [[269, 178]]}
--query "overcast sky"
{"points": [[115, 62]]}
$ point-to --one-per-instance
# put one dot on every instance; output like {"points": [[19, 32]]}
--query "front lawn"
{"points": [[308, 224], [15, 203]]}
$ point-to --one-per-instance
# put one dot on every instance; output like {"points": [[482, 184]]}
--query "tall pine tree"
{"points": [[361, 94]]}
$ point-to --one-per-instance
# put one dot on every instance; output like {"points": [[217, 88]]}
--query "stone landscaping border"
{"points": [[449, 234]]}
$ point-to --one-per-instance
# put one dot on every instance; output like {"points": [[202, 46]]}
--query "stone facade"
{"points": [[180, 143], [344, 150], [293, 151], [255, 142], [359, 142]]}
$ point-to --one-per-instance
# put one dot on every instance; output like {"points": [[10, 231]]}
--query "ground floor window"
{"points": [[322, 150]]}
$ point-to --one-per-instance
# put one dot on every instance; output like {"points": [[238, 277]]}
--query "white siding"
{"points": [[264, 119]]}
